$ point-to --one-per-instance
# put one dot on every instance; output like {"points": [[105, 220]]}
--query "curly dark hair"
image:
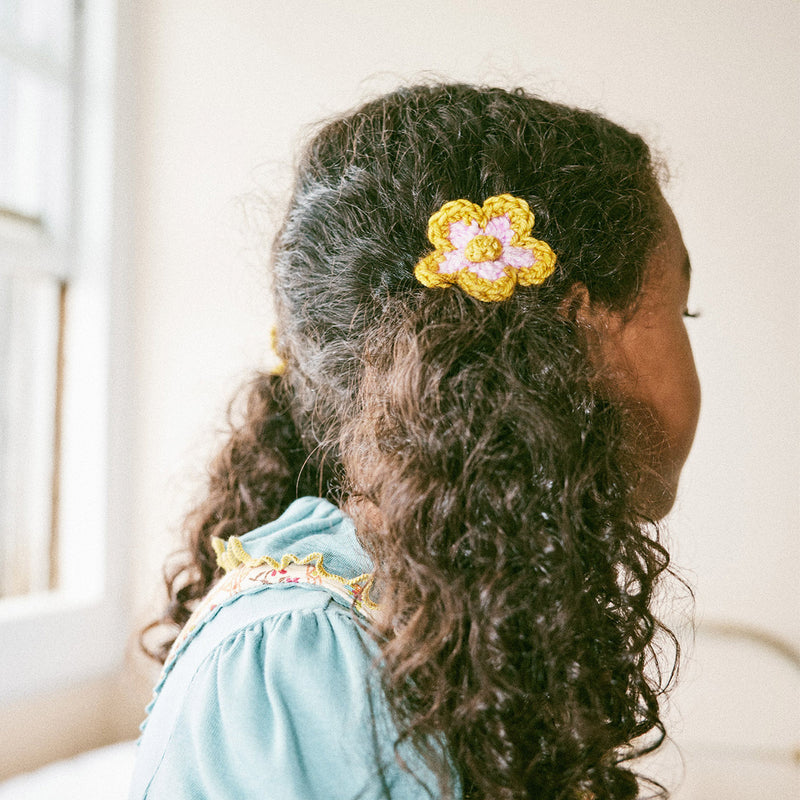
{"points": [[491, 477]]}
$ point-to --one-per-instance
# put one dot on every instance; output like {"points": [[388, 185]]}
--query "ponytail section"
{"points": [[262, 467], [515, 576]]}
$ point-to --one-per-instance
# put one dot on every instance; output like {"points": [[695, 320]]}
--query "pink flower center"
{"points": [[483, 248]]}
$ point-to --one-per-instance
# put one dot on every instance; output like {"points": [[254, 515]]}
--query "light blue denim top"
{"points": [[275, 694]]}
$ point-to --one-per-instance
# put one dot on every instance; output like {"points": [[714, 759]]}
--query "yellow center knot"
{"points": [[483, 248]]}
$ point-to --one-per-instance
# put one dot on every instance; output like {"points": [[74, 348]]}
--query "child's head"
{"points": [[368, 184], [500, 458]]}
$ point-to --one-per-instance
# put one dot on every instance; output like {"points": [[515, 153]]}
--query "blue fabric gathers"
{"points": [[276, 693]]}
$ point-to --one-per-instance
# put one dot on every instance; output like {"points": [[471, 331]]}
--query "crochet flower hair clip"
{"points": [[486, 250]]}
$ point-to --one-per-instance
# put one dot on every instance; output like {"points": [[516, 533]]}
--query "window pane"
{"points": [[34, 143], [42, 25], [29, 336]]}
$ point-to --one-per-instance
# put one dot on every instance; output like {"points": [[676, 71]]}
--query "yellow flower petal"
{"points": [[519, 215], [542, 268], [427, 272], [454, 211], [485, 290]]}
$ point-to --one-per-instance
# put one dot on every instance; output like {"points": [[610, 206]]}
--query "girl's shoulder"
{"points": [[274, 677], [269, 689]]}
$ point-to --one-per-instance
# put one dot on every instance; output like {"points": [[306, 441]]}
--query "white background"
{"points": [[222, 92]]}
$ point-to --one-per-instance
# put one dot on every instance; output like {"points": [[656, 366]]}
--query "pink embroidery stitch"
{"points": [[312, 575]]}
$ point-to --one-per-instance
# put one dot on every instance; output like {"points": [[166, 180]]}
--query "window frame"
{"points": [[79, 631]]}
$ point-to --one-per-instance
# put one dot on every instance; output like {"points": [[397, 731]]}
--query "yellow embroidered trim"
{"points": [[231, 555], [486, 250]]}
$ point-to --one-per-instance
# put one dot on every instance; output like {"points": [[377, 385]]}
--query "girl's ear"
{"points": [[576, 305]]}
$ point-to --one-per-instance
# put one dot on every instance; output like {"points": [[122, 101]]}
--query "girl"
{"points": [[487, 397]]}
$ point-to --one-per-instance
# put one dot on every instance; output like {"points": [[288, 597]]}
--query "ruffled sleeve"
{"points": [[287, 708]]}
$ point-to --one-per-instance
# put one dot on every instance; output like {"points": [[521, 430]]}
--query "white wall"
{"points": [[225, 88]]}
